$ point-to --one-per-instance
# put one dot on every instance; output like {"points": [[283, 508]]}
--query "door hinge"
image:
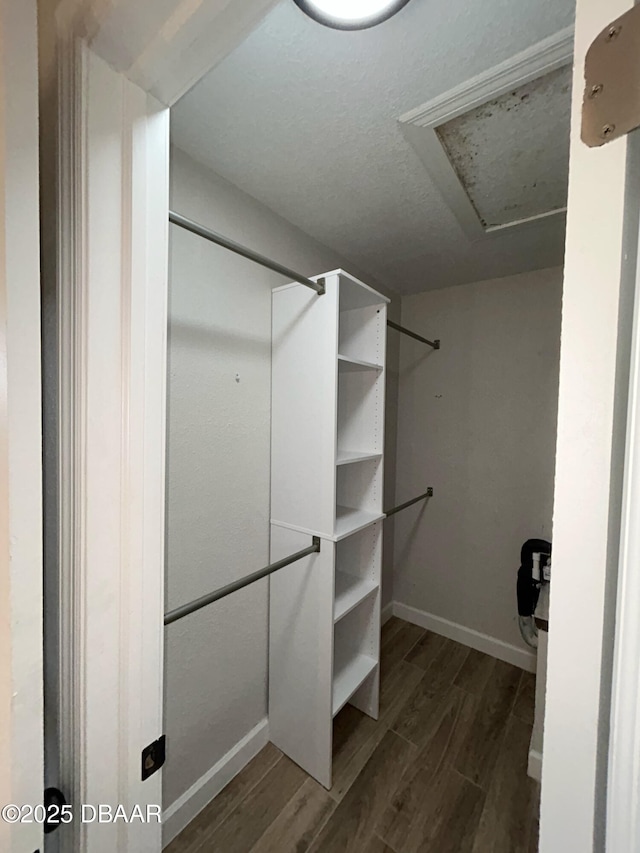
{"points": [[611, 104], [153, 757]]}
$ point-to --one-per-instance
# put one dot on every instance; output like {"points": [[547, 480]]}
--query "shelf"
{"points": [[356, 294], [347, 457], [348, 677], [351, 364], [349, 520], [350, 591]]}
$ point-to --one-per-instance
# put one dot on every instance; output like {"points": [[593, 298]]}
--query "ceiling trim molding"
{"points": [[539, 59], [419, 126]]}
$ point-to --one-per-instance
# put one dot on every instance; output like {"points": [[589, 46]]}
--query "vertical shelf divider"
{"points": [[328, 397]]}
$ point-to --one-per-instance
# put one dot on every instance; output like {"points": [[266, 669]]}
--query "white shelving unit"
{"points": [[350, 590], [328, 375], [350, 521], [349, 676]]}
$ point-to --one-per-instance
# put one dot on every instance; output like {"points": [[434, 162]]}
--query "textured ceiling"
{"points": [[305, 119]]}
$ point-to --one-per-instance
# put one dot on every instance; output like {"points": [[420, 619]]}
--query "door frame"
{"points": [[596, 341], [104, 68], [120, 69], [623, 761], [21, 606], [111, 325]]}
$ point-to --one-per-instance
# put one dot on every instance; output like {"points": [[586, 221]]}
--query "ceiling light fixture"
{"points": [[350, 14]]}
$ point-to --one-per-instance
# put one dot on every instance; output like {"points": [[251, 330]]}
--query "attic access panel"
{"points": [[497, 147], [512, 153]]}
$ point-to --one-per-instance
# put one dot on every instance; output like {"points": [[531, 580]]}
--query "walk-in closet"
{"points": [[367, 227]]}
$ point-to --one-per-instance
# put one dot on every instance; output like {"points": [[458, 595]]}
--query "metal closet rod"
{"points": [[193, 606], [225, 242], [435, 344], [214, 237], [206, 600], [427, 494]]}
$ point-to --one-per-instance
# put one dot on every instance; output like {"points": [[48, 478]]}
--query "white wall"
{"points": [[218, 464], [21, 699], [477, 421]]}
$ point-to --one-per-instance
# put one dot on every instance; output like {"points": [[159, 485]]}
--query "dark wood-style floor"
{"points": [[444, 769]]}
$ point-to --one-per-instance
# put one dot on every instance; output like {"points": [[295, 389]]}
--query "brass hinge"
{"points": [[611, 106]]}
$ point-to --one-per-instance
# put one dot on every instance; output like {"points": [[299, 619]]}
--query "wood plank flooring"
{"points": [[444, 769]]}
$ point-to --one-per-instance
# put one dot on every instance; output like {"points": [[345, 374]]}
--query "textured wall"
{"points": [[218, 464], [477, 421]]}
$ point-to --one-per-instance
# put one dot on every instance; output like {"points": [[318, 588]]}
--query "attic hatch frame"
{"points": [[420, 125], [105, 197]]}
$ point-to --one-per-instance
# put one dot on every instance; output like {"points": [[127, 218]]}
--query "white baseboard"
{"points": [[386, 613], [185, 808], [534, 767], [467, 636]]}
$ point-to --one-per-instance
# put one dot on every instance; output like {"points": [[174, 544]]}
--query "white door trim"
{"points": [[594, 363], [111, 216], [21, 701], [112, 286], [623, 790]]}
